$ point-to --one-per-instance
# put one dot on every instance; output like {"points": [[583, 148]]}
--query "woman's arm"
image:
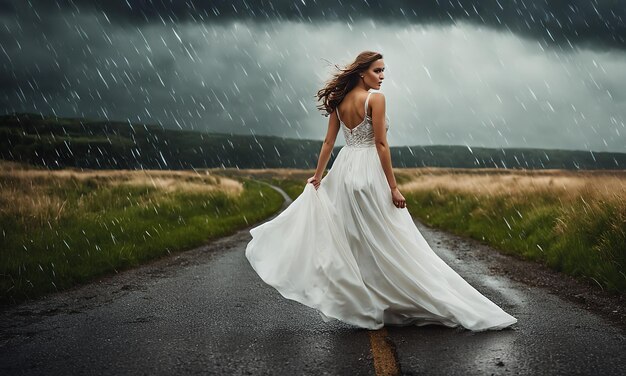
{"points": [[327, 146], [377, 103]]}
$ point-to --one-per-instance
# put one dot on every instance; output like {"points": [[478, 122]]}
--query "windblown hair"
{"points": [[343, 81]]}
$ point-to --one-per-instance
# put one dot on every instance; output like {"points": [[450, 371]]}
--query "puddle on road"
{"points": [[505, 288], [477, 271]]}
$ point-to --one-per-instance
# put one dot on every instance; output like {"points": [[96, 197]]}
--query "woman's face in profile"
{"points": [[375, 74]]}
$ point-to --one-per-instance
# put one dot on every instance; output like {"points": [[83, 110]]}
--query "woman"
{"points": [[347, 246]]}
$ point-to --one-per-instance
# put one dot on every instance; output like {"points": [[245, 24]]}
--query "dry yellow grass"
{"points": [[33, 193], [188, 181], [567, 184]]}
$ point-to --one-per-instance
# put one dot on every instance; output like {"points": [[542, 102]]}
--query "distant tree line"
{"points": [[60, 142]]}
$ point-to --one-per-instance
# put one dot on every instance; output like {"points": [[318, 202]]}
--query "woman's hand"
{"points": [[314, 180], [397, 198]]}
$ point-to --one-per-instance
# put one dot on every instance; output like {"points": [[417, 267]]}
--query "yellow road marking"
{"points": [[384, 360]]}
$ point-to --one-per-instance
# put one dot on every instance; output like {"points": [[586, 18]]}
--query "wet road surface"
{"points": [[205, 311]]}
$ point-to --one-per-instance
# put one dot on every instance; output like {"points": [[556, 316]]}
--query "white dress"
{"points": [[347, 251]]}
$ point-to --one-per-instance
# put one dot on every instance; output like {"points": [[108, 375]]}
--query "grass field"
{"points": [[574, 222], [62, 228]]}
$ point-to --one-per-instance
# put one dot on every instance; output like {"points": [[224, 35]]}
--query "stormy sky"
{"points": [[492, 73]]}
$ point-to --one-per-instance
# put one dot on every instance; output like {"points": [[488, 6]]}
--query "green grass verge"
{"points": [[117, 227], [582, 239]]}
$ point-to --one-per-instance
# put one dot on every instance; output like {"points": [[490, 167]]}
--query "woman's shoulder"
{"points": [[377, 91]]}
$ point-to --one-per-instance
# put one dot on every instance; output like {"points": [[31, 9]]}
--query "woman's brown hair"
{"points": [[342, 82]]}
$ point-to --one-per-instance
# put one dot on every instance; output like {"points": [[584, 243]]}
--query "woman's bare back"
{"points": [[352, 108]]}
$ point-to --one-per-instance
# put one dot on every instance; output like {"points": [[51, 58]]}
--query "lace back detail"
{"points": [[363, 134]]}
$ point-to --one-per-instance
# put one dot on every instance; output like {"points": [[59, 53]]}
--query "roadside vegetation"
{"points": [[573, 222], [65, 227]]}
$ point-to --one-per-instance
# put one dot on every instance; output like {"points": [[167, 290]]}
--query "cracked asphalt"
{"points": [[205, 311]]}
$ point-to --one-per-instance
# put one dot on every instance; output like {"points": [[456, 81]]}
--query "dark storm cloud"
{"points": [[183, 75], [586, 23], [228, 67]]}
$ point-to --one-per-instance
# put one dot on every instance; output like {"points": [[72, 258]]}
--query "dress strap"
{"points": [[366, 100]]}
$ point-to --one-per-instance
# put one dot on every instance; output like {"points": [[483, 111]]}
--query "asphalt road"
{"points": [[205, 311]]}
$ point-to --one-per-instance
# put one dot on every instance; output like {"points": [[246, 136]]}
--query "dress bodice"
{"points": [[363, 134]]}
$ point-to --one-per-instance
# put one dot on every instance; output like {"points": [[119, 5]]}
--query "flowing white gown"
{"points": [[347, 251]]}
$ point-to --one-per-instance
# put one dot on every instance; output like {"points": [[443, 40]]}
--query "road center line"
{"points": [[383, 353]]}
